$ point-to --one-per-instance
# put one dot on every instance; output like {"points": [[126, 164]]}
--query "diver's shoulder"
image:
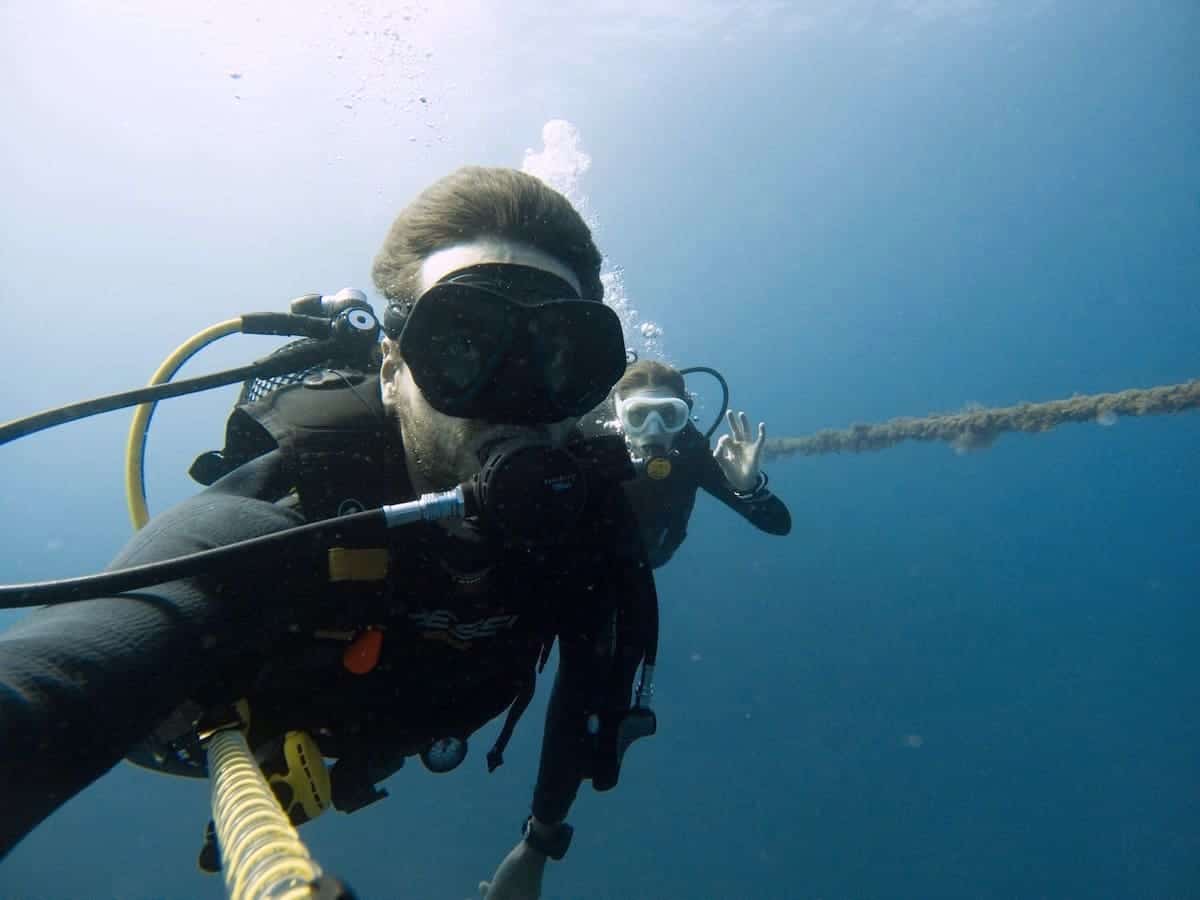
{"points": [[212, 518], [325, 399]]}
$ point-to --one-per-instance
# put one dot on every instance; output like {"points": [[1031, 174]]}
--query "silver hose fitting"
{"points": [[427, 508]]}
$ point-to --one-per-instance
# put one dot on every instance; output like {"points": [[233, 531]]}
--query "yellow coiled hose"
{"points": [[261, 853]]}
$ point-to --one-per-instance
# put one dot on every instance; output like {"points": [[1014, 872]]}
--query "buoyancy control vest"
{"points": [[343, 454]]}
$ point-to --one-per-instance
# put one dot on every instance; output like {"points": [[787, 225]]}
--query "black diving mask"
{"points": [[508, 343]]}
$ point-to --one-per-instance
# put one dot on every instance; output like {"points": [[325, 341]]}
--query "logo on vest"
{"points": [[443, 625]]}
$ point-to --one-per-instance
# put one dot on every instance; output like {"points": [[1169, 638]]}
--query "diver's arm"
{"points": [[613, 589], [81, 683], [560, 772], [759, 507], [565, 760], [564, 746]]}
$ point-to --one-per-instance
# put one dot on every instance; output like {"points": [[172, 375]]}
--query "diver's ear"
{"points": [[390, 369]]}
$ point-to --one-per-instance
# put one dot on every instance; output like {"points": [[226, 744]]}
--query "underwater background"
{"points": [[961, 675]]}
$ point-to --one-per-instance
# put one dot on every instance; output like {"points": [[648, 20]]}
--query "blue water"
{"points": [[960, 676]]}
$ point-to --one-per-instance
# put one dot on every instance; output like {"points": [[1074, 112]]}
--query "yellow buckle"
{"points": [[358, 563]]}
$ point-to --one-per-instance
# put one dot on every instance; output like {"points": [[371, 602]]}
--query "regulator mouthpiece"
{"points": [[528, 489]]}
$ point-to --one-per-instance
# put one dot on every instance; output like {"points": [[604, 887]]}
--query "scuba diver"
{"points": [[652, 408], [333, 640]]}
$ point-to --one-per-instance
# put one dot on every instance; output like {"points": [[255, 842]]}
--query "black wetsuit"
{"points": [[664, 507], [83, 683]]}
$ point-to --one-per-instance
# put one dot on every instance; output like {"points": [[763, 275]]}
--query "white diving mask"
{"points": [[646, 417]]}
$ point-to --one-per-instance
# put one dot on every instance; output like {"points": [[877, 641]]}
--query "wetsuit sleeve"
{"points": [[82, 682], [762, 509]]}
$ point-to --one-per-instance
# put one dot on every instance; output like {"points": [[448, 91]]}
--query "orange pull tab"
{"points": [[363, 653]]}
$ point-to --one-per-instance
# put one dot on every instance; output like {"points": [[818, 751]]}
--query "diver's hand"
{"points": [[519, 876], [738, 455]]}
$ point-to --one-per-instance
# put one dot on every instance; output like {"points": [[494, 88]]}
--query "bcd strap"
{"points": [[495, 756]]}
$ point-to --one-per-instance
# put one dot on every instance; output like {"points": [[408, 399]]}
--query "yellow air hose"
{"points": [[261, 853], [135, 445]]}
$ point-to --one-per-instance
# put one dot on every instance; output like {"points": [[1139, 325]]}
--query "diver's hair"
{"points": [[477, 202], [645, 373]]}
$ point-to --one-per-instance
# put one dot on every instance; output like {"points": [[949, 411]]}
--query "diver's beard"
{"points": [[426, 468], [428, 447], [443, 451]]}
